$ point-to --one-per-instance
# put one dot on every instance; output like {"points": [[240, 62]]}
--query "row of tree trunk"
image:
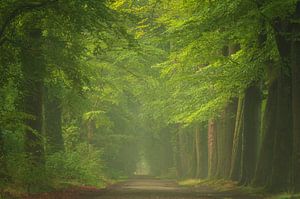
{"points": [[250, 144]]}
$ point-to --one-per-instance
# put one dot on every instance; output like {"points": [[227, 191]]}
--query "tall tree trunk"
{"points": [[53, 120], [235, 170], [226, 125], [3, 165], [230, 118], [33, 70], [212, 149], [201, 151], [179, 168], [283, 138], [221, 145], [280, 178], [198, 150], [264, 163], [296, 98], [252, 109], [191, 153], [225, 138], [184, 153]]}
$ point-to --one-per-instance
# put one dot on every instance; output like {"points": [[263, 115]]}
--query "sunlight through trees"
{"points": [[93, 91]]}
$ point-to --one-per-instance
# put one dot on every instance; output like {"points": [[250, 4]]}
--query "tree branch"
{"points": [[19, 11]]}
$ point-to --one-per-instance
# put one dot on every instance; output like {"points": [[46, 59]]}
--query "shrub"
{"points": [[81, 165]]}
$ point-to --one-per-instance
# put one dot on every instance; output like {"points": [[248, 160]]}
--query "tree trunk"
{"points": [[264, 164], [3, 165], [235, 170], [201, 151], [226, 125], [212, 149], [230, 118], [191, 153], [179, 168], [296, 99], [221, 145], [252, 109], [225, 138], [280, 178], [283, 138], [198, 150], [53, 119], [33, 71], [184, 156]]}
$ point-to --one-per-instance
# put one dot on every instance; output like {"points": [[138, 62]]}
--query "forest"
{"points": [[94, 91]]}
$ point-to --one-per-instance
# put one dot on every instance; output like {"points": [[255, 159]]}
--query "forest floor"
{"points": [[147, 188]]}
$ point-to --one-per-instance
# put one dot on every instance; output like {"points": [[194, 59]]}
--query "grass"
{"points": [[227, 185], [18, 190], [285, 196], [190, 182], [219, 185]]}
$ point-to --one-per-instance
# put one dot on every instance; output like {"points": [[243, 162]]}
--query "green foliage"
{"points": [[127, 75], [81, 165]]}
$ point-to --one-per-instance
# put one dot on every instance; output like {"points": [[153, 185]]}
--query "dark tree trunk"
{"points": [[33, 72], [252, 109], [235, 171], [53, 120], [3, 165], [280, 179], [296, 99], [283, 138], [264, 164]]}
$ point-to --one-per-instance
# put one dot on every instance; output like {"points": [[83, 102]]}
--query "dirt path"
{"points": [[143, 188], [163, 189]]}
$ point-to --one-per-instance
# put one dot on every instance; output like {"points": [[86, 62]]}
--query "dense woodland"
{"points": [[89, 89]]}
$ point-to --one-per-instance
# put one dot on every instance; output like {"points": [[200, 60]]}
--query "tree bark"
{"points": [[33, 72], [53, 120], [212, 149], [221, 134], [198, 150], [3, 165], [230, 118], [201, 151], [225, 138], [283, 138], [264, 164], [226, 128], [252, 109], [280, 176], [296, 99], [235, 170]]}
